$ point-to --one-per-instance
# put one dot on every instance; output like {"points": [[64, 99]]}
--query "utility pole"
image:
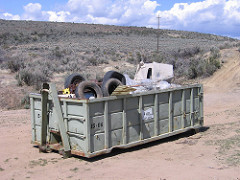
{"points": [[158, 17]]}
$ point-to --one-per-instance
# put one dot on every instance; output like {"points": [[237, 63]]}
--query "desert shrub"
{"points": [[238, 44], [181, 67], [65, 61], [2, 55], [210, 69], [103, 60], [214, 58], [226, 45], [93, 61], [186, 52], [129, 71], [196, 68], [215, 52], [131, 60], [239, 49], [74, 66], [157, 57], [57, 53], [136, 57], [141, 56], [99, 76], [203, 67], [215, 62], [212, 65], [15, 64], [25, 101], [48, 67], [31, 77], [192, 71]]}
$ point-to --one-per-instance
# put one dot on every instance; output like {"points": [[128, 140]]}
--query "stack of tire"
{"points": [[84, 88]]}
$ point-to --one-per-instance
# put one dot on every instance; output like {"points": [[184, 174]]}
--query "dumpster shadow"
{"points": [[117, 151]]}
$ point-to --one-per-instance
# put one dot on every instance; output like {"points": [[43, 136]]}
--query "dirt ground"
{"points": [[213, 153]]}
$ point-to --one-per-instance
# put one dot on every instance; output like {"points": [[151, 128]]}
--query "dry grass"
{"points": [[229, 147]]}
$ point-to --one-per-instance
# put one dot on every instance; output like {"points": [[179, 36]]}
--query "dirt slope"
{"points": [[227, 79], [214, 153]]}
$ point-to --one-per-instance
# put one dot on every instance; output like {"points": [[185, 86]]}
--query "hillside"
{"points": [[215, 150], [35, 52]]}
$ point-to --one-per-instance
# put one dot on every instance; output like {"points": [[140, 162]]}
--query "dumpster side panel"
{"points": [[96, 118], [75, 117], [36, 118], [133, 119], [148, 115], [174, 110], [163, 105]]}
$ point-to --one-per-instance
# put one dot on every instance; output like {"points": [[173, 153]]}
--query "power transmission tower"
{"points": [[158, 17]]}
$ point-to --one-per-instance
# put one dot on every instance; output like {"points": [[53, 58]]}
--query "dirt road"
{"points": [[214, 153]]}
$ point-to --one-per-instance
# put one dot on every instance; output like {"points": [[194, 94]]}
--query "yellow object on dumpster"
{"points": [[66, 91]]}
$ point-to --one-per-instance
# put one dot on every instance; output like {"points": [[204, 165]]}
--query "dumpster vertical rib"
{"points": [[88, 130], [65, 114], [63, 132], [191, 107], [44, 123], [106, 124], [183, 109], [201, 104], [124, 133], [33, 120], [156, 115], [170, 118], [140, 117]]}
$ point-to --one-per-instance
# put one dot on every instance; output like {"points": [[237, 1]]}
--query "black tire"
{"points": [[88, 87], [74, 78], [113, 74], [110, 86]]}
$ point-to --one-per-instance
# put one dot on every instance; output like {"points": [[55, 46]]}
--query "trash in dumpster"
{"points": [[154, 71], [66, 91], [149, 76], [123, 90], [67, 95]]}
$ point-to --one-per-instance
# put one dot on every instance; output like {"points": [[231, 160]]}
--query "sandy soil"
{"points": [[213, 153]]}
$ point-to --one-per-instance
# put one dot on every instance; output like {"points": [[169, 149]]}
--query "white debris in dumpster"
{"points": [[92, 97], [154, 71], [147, 84], [67, 95], [163, 85]]}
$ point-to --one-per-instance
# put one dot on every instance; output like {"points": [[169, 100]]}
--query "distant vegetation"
{"points": [[34, 51]]}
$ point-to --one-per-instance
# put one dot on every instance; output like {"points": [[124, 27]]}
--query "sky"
{"points": [[220, 17]]}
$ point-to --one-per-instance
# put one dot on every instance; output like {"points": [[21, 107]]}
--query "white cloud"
{"points": [[9, 16], [232, 11], [97, 8], [102, 20], [32, 11], [128, 12], [32, 8], [60, 16], [209, 16]]}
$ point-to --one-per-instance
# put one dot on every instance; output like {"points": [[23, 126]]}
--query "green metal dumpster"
{"points": [[92, 127]]}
